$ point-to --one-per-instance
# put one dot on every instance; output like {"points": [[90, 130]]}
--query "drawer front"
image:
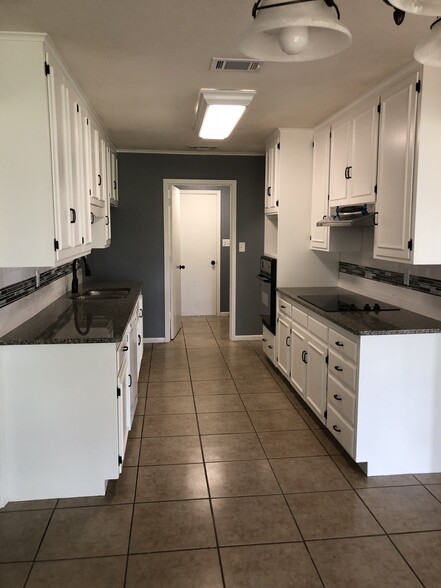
{"points": [[269, 344], [341, 399], [341, 430], [300, 317], [343, 370], [284, 307], [317, 329], [343, 345]]}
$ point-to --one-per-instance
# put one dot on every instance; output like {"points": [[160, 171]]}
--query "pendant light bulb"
{"points": [[293, 40]]}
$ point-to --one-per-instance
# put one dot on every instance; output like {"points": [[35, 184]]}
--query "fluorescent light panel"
{"points": [[219, 111]]}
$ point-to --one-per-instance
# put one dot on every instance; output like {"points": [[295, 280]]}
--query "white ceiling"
{"points": [[142, 62]]}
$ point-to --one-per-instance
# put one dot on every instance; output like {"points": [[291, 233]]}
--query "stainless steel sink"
{"points": [[102, 293]]}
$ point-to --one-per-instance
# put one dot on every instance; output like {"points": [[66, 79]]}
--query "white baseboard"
{"points": [[224, 314], [154, 340], [247, 338]]}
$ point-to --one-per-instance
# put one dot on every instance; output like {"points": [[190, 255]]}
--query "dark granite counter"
{"points": [[71, 320], [388, 322]]}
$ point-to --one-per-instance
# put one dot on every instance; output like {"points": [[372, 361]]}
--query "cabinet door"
{"points": [[272, 176], [283, 345], [393, 232], [298, 359], [339, 162], [133, 369], [114, 178], [140, 333], [320, 189], [362, 170], [123, 397], [316, 379], [97, 159]]}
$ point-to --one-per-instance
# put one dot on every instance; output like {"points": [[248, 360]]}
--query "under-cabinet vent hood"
{"points": [[349, 216]]}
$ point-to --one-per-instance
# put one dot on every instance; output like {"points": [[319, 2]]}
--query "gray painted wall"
{"points": [[224, 254], [137, 249]]}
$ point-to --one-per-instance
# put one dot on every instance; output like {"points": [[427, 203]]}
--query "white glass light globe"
{"points": [[422, 7], [293, 39]]}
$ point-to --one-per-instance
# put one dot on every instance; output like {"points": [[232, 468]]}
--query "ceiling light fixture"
{"points": [[298, 30], [219, 111], [428, 50]]}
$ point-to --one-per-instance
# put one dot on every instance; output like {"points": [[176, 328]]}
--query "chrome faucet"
{"points": [[87, 272]]}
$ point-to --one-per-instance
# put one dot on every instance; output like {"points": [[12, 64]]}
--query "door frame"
{"points": [[208, 184], [216, 193]]}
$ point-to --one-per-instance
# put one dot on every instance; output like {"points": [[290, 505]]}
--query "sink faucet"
{"points": [[87, 272]]}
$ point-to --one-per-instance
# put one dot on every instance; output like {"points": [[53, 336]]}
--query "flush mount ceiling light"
{"points": [[299, 30], [219, 111], [428, 50]]}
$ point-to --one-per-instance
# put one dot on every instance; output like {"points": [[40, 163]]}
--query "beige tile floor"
{"points": [[228, 481]]}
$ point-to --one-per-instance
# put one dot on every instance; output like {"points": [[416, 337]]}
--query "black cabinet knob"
{"points": [[213, 262]]}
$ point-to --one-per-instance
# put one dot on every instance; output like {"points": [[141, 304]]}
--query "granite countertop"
{"points": [[70, 320], [388, 322]]}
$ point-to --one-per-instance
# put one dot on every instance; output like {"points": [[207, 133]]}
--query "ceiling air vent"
{"points": [[219, 63], [201, 147]]}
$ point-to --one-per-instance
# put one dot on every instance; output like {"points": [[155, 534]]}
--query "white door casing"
{"points": [[200, 247], [175, 261], [215, 184]]}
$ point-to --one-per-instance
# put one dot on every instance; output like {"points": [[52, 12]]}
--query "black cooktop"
{"points": [[347, 303]]}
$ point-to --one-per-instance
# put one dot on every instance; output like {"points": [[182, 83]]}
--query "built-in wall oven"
{"points": [[267, 277]]}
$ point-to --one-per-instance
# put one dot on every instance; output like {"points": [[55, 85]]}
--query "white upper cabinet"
{"points": [[353, 161], [409, 170], [114, 195], [45, 157], [320, 189], [272, 175]]}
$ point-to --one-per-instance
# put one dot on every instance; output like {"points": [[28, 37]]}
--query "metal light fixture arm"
{"points": [[257, 6]]}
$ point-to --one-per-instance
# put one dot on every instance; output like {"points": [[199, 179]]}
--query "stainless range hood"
{"points": [[348, 216]]}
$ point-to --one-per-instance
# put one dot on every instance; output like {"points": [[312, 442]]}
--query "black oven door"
{"points": [[267, 301]]}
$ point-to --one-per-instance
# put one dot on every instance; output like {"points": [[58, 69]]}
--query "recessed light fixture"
{"points": [[219, 111]]}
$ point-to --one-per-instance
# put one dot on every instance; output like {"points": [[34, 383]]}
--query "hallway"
{"points": [[228, 481]]}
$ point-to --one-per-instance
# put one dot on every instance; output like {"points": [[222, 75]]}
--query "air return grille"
{"points": [[219, 63]]}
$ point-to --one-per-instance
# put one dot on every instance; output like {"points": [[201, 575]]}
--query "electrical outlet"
{"points": [[225, 242], [242, 247]]}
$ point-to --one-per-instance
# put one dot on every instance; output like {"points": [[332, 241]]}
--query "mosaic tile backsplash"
{"points": [[15, 292], [417, 283]]}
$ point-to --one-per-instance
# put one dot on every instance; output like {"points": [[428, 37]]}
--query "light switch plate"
{"points": [[242, 247], [225, 242]]}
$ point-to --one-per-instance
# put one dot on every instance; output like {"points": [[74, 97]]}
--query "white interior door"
{"points": [[200, 251], [175, 261]]}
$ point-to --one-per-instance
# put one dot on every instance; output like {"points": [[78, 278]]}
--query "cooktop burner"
{"points": [[346, 303]]}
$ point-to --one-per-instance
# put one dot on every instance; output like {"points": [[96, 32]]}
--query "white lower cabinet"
{"points": [[284, 344], [140, 333], [268, 345]]}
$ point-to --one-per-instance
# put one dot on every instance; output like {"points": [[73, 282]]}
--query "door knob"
{"points": [[213, 262]]}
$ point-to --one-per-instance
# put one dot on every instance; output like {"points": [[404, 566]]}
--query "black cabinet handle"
{"points": [[181, 266], [140, 313], [264, 340], [270, 346], [130, 380], [337, 397], [336, 429], [338, 368], [288, 341], [92, 218], [376, 219], [339, 344], [114, 184], [213, 262], [107, 220], [99, 179], [269, 191], [139, 339], [346, 173], [350, 172], [277, 203], [306, 357], [282, 306], [73, 216], [125, 348]]}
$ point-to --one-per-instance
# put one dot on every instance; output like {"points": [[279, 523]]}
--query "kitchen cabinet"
{"points": [[272, 175], [114, 194], [268, 345], [353, 155], [378, 394], [140, 333], [44, 155], [302, 354], [409, 170], [124, 397], [326, 238]]}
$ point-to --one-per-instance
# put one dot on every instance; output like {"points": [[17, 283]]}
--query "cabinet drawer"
{"points": [[299, 316], [341, 430], [343, 370], [284, 307], [343, 345], [341, 399], [317, 328], [268, 344]]}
